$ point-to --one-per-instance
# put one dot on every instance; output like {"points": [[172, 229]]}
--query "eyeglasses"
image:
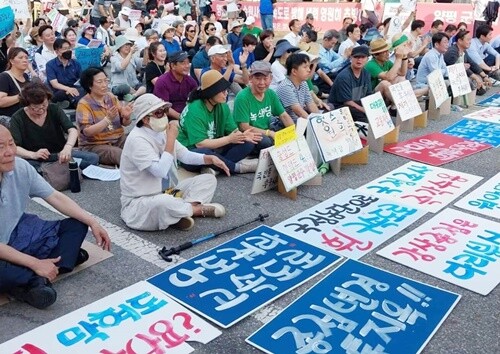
{"points": [[38, 109], [160, 113]]}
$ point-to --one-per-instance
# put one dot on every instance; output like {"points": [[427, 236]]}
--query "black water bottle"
{"points": [[74, 179]]}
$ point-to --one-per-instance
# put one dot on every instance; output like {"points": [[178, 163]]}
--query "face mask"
{"points": [[158, 125], [67, 55]]}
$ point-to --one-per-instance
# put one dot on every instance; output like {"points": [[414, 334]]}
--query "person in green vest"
{"points": [[250, 28]]}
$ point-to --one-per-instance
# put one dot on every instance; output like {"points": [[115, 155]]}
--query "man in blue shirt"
{"points": [[329, 61], [201, 59], [434, 58], [483, 54], [62, 74], [266, 8]]}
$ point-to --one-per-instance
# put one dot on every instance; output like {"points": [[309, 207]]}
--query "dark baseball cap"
{"points": [[360, 51], [177, 57]]}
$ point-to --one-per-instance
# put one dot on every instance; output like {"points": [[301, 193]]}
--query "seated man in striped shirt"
{"points": [[293, 91]]}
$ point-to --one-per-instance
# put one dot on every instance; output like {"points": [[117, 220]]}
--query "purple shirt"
{"points": [[169, 89]]}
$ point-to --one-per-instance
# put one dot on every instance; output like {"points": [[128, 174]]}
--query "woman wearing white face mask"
{"points": [[148, 168]]}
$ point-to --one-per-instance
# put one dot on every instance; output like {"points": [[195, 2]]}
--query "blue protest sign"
{"points": [[232, 280], [358, 308], [6, 21], [351, 223], [89, 57], [492, 101], [476, 130]]}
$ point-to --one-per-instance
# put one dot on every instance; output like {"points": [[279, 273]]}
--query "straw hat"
{"points": [[379, 45], [212, 82]]}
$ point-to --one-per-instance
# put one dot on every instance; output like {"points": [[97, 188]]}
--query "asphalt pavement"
{"points": [[472, 327]]}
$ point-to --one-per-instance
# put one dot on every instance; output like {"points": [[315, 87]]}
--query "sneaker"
{"points": [[393, 112], [184, 224], [209, 171], [248, 165], [494, 82], [480, 91], [83, 256], [213, 210], [38, 293], [456, 108]]}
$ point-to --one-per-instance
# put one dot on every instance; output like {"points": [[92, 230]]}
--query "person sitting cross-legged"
{"points": [[149, 166], [207, 127], [34, 251], [256, 104]]}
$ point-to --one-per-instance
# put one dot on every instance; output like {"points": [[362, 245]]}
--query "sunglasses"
{"points": [[160, 113]]}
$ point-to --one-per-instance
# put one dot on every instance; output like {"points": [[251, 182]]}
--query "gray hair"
{"points": [[331, 34]]}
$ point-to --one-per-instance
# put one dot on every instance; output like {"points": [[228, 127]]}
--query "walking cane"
{"points": [[165, 254]]}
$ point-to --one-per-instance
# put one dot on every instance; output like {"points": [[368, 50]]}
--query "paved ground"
{"points": [[473, 327]]}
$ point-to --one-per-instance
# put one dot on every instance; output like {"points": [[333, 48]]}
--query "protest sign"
{"points": [[409, 5], [436, 149], [350, 224], [490, 114], [229, 282], [492, 101], [335, 134], [395, 27], [437, 85], [59, 22], [484, 200], [137, 319], [6, 21], [266, 175], [421, 186], [135, 15], [294, 163], [88, 57], [358, 308], [94, 43], [405, 100], [459, 80], [475, 130], [285, 135], [20, 8], [454, 246], [377, 114]]}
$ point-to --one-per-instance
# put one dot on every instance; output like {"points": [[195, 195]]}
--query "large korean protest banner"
{"points": [[476, 130], [436, 149], [454, 246], [485, 199], [358, 308], [229, 282], [335, 134], [351, 223], [421, 186], [490, 114], [137, 319]]}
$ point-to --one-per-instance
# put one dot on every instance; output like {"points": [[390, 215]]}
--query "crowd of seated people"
{"points": [[207, 93]]}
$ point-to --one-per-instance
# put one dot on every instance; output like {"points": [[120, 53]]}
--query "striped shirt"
{"points": [[90, 112], [290, 95]]}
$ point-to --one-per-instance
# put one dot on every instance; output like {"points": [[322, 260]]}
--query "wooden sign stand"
{"points": [[335, 166], [407, 125], [281, 189], [376, 145], [359, 157], [435, 112]]}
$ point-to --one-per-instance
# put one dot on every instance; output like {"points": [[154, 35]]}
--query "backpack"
{"points": [[490, 12]]}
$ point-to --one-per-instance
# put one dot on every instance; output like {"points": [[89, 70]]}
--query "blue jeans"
{"points": [[263, 144], [230, 154], [88, 158], [266, 21]]}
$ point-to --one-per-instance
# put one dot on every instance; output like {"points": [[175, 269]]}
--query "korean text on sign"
{"points": [[351, 223], [358, 309], [485, 199], [137, 319], [454, 246], [476, 130], [422, 186], [229, 282]]}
